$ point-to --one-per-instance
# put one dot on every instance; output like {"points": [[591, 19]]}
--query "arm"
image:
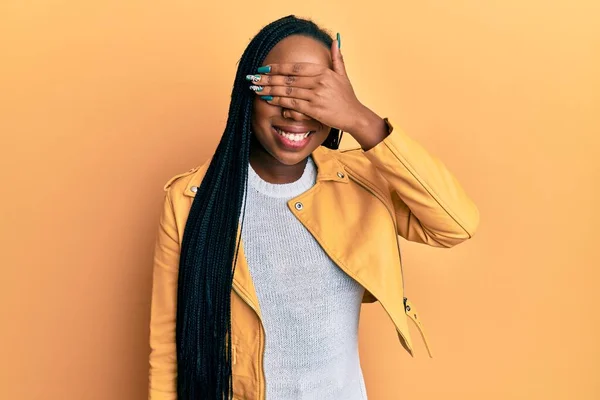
{"points": [[163, 355], [430, 205]]}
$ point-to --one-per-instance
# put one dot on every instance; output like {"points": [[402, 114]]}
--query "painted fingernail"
{"points": [[264, 70], [339, 40], [256, 88], [267, 98], [253, 78]]}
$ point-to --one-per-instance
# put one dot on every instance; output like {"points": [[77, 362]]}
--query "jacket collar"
{"points": [[329, 168]]}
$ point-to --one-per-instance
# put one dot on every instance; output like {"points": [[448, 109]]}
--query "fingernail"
{"points": [[264, 70], [267, 98], [253, 78], [256, 88], [339, 40]]}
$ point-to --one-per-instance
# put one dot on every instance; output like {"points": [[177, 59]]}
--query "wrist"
{"points": [[369, 129]]}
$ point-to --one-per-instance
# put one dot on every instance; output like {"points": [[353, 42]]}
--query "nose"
{"points": [[294, 115]]}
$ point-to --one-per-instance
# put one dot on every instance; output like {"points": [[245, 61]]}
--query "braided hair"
{"points": [[209, 246]]}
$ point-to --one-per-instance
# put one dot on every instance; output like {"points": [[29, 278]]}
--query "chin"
{"points": [[288, 158]]}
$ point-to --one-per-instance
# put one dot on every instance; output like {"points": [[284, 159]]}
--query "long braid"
{"points": [[210, 245]]}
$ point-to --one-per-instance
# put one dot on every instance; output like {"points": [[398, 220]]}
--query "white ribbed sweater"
{"points": [[310, 307]]}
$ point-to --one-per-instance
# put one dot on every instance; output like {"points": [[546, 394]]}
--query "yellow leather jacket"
{"points": [[361, 202]]}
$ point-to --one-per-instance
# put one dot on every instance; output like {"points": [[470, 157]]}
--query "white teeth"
{"points": [[296, 137]]}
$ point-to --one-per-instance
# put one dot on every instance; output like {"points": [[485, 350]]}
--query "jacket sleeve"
{"points": [[430, 205], [163, 357]]}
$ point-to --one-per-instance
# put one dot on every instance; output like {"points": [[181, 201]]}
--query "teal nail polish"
{"points": [[256, 88], [253, 78], [264, 70], [267, 98], [339, 40]]}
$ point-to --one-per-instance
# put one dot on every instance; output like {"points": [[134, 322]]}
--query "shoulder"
{"points": [[357, 164], [184, 182], [178, 178], [351, 153]]}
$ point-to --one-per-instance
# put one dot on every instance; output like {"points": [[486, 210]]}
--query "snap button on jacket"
{"points": [[362, 201]]}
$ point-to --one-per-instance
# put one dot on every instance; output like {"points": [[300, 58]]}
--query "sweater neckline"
{"points": [[291, 189]]}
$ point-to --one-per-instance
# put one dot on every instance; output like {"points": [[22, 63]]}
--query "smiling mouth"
{"points": [[293, 136]]}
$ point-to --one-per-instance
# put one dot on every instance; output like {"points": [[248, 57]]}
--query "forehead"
{"points": [[297, 48]]}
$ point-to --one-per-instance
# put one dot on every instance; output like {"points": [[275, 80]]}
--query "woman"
{"points": [[266, 252]]}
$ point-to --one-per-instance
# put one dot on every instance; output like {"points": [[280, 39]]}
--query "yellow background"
{"points": [[103, 101]]}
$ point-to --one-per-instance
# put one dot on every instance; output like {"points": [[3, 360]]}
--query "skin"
{"points": [[311, 91]]}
